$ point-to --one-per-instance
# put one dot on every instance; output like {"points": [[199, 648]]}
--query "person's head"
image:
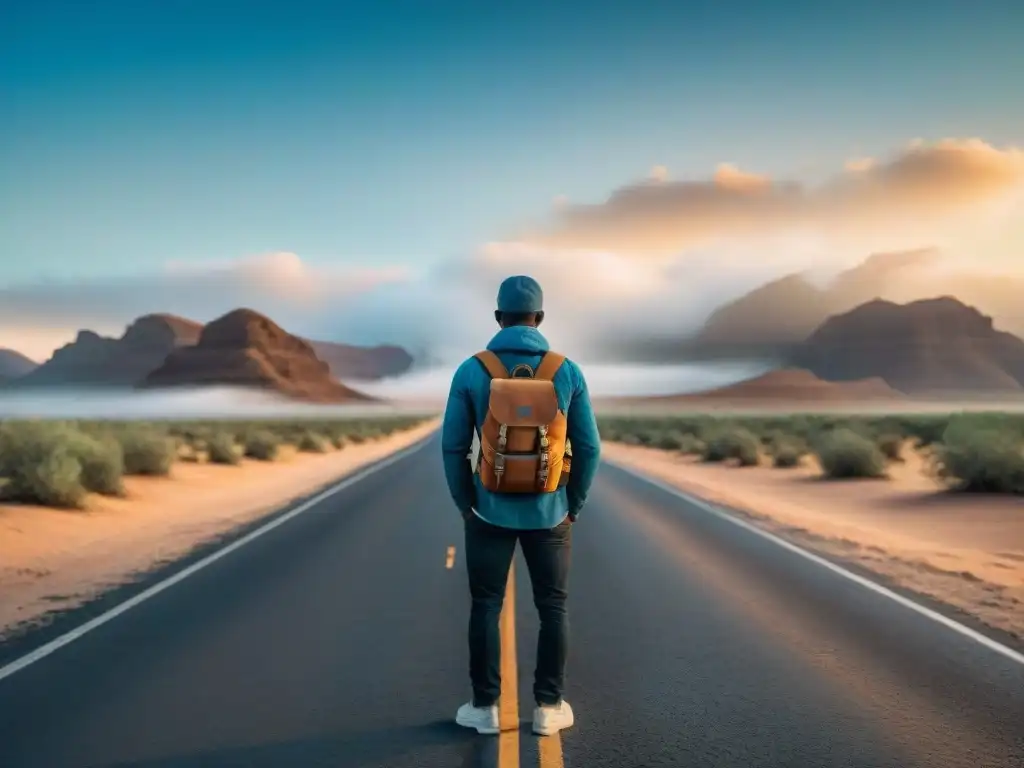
{"points": [[520, 302]]}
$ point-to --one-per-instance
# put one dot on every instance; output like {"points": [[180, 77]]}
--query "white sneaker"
{"points": [[551, 719], [483, 719]]}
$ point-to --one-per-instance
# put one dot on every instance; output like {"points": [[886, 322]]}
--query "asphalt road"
{"points": [[338, 639]]}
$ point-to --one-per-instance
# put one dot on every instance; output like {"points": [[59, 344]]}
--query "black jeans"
{"points": [[489, 553]]}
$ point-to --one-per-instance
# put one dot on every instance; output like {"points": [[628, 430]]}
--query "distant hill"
{"points": [[787, 310], [924, 347], [245, 348], [791, 385], [14, 365], [93, 360]]}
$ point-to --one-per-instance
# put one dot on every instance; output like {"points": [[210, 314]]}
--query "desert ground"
{"points": [[908, 527], [54, 559]]}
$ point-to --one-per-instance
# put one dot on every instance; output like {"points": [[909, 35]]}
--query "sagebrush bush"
{"points": [[980, 458], [102, 461], [39, 466], [891, 446], [733, 443], [667, 440], [147, 451], [262, 445], [787, 452], [220, 449], [924, 430], [691, 445], [311, 442], [844, 453]]}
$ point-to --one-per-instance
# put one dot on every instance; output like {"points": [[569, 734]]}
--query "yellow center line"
{"points": [[549, 748], [450, 558], [508, 705]]}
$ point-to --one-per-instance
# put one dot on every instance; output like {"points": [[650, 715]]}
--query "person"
{"points": [[541, 522]]}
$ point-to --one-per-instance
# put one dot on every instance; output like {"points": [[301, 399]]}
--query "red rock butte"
{"points": [[246, 349]]}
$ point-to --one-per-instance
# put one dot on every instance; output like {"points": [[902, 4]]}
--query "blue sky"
{"points": [[140, 132]]}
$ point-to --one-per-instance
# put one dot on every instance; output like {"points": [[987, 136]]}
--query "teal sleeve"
{"points": [[457, 431], [586, 444]]}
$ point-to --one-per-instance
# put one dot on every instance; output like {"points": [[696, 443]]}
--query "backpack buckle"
{"points": [[542, 471]]}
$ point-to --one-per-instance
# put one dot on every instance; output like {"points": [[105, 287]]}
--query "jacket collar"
{"points": [[519, 338]]}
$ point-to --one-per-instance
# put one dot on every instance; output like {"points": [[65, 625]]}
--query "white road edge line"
{"points": [[906, 602], [57, 643]]}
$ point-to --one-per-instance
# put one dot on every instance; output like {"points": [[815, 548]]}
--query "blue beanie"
{"points": [[520, 295]]}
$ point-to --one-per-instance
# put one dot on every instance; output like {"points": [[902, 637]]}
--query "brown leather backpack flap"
{"points": [[523, 402]]}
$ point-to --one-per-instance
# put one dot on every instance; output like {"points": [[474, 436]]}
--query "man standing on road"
{"points": [[526, 403]]}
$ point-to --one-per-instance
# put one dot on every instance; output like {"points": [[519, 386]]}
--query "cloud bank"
{"points": [[36, 318], [949, 183], [651, 261]]}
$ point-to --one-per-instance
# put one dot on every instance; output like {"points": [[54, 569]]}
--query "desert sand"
{"points": [[966, 551], [54, 560]]}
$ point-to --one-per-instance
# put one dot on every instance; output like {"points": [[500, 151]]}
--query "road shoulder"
{"points": [[918, 551]]}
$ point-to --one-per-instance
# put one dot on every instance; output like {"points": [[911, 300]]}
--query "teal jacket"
{"points": [[464, 417]]}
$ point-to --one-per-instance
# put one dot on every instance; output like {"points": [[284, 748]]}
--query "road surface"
{"points": [[338, 639]]}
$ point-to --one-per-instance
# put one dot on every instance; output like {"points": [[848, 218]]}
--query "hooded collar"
{"points": [[519, 338]]}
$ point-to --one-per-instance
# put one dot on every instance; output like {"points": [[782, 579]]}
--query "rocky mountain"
{"points": [[99, 361], [353, 363], [785, 311], [14, 365], [94, 360], [927, 347], [244, 348]]}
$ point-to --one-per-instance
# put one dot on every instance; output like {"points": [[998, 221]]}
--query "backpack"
{"points": [[523, 438]]}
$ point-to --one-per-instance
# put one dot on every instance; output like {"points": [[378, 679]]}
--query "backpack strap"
{"points": [[549, 366], [493, 364]]}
